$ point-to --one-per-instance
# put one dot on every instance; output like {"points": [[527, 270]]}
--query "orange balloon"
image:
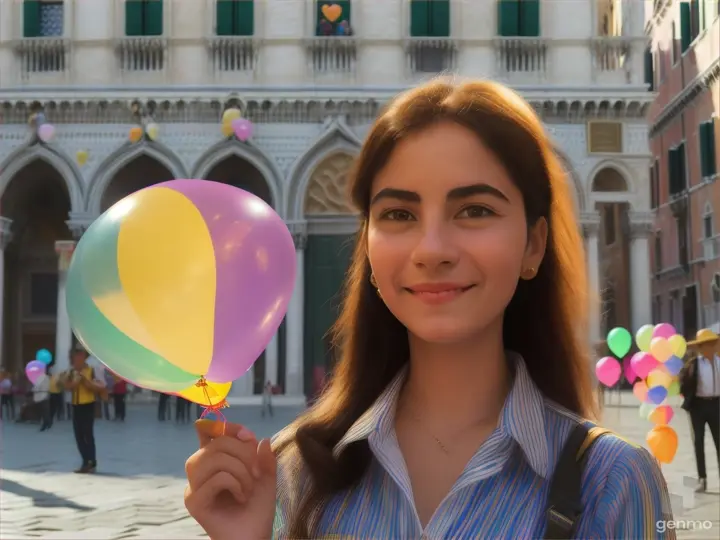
{"points": [[331, 12], [136, 134], [663, 443]]}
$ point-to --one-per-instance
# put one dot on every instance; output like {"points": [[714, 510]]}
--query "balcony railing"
{"points": [[711, 248], [521, 58], [142, 53], [611, 59], [42, 55], [328, 54], [431, 54], [233, 53]]}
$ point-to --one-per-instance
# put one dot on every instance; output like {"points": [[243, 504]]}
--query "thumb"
{"points": [[207, 430], [267, 460]]}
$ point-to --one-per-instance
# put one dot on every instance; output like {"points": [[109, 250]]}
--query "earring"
{"points": [[528, 274], [373, 282]]}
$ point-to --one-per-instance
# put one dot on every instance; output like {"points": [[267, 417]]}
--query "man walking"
{"points": [[700, 386]]}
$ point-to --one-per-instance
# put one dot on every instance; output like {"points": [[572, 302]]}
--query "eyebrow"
{"points": [[462, 192]]}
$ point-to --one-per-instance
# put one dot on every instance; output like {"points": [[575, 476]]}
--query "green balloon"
{"points": [[674, 388], [646, 409], [619, 341]]}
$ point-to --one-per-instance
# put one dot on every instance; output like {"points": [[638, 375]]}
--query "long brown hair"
{"points": [[545, 321]]}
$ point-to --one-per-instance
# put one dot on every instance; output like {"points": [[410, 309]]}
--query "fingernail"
{"points": [[245, 435]]}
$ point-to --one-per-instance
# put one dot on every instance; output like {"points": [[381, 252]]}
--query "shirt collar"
{"points": [[522, 417]]}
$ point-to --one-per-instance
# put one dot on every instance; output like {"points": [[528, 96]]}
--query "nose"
{"points": [[435, 247]]}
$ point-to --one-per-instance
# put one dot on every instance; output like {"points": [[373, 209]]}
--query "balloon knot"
{"points": [[202, 382]]}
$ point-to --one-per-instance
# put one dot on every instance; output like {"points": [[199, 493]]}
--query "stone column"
{"points": [[591, 230], [271, 361], [641, 227], [63, 332], [294, 372], [5, 237]]}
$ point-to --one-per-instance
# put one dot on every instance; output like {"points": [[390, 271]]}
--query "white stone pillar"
{"points": [[271, 361], [591, 230], [294, 372], [5, 236], [640, 273], [63, 331]]}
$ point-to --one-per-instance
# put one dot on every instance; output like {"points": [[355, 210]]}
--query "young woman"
{"points": [[464, 355]]}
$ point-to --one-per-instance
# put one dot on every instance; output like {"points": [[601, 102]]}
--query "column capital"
{"points": [[642, 224], [298, 230], [65, 250], [78, 224], [590, 223], [5, 232]]}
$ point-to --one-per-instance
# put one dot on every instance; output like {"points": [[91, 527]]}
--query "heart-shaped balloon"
{"points": [[331, 12]]}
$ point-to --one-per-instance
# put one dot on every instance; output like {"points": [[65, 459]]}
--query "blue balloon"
{"points": [[657, 394], [673, 365], [44, 356]]}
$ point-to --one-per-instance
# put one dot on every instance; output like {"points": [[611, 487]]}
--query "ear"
{"points": [[535, 249]]}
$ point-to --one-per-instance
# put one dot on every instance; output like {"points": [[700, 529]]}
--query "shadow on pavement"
{"points": [[41, 499]]}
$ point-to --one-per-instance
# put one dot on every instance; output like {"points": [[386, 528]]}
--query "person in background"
{"points": [[41, 396], [7, 405], [267, 399], [700, 387], [163, 409], [80, 381], [56, 398], [109, 379], [119, 392], [182, 410]]}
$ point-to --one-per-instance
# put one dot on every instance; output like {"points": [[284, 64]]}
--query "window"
{"points": [[608, 219], [686, 34], [655, 185], [235, 17], [657, 309], [657, 252], [43, 18], [333, 24], [430, 18], [518, 18], [708, 226], [708, 165], [649, 70], [143, 17], [715, 289], [682, 234], [43, 294], [677, 178]]}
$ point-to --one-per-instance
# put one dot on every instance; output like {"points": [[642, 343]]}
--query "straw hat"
{"points": [[704, 336]]}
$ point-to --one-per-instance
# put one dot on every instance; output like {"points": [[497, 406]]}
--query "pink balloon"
{"points": [[643, 363], [608, 371], [46, 132], [243, 128], [34, 370], [664, 330], [630, 374]]}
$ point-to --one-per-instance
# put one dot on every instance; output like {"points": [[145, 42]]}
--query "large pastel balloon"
{"points": [[640, 389], [660, 348], [619, 341], [46, 132], [181, 280], [227, 130], [208, 394], [135, 134], [673, 366], [34, 370], [630, 375], [231, 114], [608, 371], [645, 410], [44, 356], [663, 443], [643, 337], [657, 394], [242, 128], [678, 345], [153, 131], [664, 330], [659, 377], [661, 415], [643, 363], [674, 388]]}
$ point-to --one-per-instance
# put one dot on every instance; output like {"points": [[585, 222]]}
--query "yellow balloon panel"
{"points": [[166, 263], [117, 308], [210, 395]]}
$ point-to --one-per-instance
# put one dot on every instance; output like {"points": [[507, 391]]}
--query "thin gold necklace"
{"points": [[438, 441]]}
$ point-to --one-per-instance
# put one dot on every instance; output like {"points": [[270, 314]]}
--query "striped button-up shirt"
{"points": [[502, 492]]}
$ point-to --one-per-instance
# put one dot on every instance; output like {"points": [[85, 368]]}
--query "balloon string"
{"points": [[210, 408]]}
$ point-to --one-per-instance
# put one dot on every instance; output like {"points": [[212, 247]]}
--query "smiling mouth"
{"points": [[438, 295]]}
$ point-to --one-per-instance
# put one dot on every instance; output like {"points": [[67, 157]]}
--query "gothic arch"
{"points": [[53, 156], [337, 139], [121, 157], [250, 153], [327, 190]]}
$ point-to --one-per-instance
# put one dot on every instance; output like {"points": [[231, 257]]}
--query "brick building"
{"points": [[685, 143]]}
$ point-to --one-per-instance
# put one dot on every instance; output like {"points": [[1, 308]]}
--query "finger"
{"points": [[243, 451], [204, 496], [209, 464], [267, 461], [208, 430]]}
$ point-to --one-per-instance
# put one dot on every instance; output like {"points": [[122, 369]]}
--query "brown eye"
{"points": [[475, 211], [397, 215]]}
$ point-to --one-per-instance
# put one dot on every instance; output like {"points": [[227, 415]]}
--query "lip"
{"points": [[438, 293]]}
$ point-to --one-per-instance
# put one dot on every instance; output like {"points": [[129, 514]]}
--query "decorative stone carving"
{"points": [[641, 229], [590, 224], [327, 189]]}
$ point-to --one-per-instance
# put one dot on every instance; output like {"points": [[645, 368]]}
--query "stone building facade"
{"points": [[312, 99]]}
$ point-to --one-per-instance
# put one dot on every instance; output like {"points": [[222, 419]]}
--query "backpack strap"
{"points": [[563, 505]]}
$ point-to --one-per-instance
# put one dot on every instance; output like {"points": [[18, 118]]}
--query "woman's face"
{"points": [[447, 235]]}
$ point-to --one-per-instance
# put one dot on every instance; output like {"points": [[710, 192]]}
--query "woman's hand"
{"points": [[231, 491]]}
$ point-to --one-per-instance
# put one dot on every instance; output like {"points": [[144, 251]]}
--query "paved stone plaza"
{"points": [[138, 490]]}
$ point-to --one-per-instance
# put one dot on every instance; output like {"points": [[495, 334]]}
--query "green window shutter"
{"points": [[224, 18], [31, 18], [153, 17], [508, 18], [134, 17], [682, 179], [672, 171], [345, 5], [685, 27], [649, 75], [245, 18], [702, 139], [439, 19], [420, 18], [710, 147], [530, 18]]}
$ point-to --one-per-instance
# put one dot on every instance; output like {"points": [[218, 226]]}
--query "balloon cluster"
{"points": [[653, 371], [151, 129], [37, 368], [233, 124], [180, 287], [45, 131]]}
